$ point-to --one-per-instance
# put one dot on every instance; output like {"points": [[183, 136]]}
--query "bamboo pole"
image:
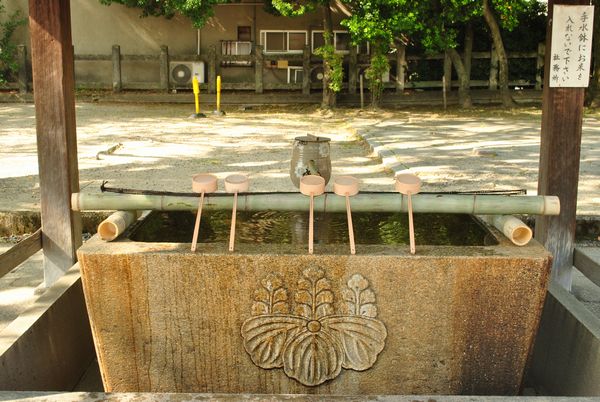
{"points": [[363, 202]]}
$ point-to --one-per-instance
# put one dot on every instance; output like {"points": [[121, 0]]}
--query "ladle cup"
{"points": [[233, 184], [311, 185], [409, 184], [347, 186], [202, 183]]}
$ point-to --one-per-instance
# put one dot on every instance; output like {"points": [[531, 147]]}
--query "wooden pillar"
{"points": [[23, 77], [352, 70], [259, 64], [494, 66], [117, 83], [562, 118], [54, 95], [400, 63], [164, 68], [539, 65], [448, 71], [212, 69]]}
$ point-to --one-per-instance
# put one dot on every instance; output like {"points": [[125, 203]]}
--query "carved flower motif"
{"points": [[313, 344]]}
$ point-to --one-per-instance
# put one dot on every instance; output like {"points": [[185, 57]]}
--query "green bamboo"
{"points": [[364, 202]]}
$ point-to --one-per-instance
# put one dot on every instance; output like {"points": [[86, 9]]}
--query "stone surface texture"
{"points": [[448, 320]]}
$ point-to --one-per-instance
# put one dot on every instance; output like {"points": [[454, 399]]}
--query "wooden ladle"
{"points": [[409, 184], [312, 186], [347, 186], [202, 183], [233, 184]]}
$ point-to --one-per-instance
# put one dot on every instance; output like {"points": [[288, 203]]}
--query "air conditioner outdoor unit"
{"points": [[317, 74], [181, 73]]}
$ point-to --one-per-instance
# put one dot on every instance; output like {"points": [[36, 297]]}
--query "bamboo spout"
{"points": [[363, 202], [514, 229], [113, 226]]}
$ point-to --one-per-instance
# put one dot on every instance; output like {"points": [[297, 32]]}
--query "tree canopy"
{"points": [[431, 25], [8, 63], [199, 11]]}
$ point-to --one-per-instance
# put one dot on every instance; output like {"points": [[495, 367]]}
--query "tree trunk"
{"points": [[592, 95], [464, 94], [329, 97], [490, 19], [468, 55]]}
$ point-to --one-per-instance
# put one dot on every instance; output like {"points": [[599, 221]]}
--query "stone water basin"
{"points": [[459, 317]]}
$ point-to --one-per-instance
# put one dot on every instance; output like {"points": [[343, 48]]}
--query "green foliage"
{"points": [[8, 62], [380, 21], [439, 24], [509, 11], [336, 70], [531, 29], [379, 65], [199, 11], [289, 9]]}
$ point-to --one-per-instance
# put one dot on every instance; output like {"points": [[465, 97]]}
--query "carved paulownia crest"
{"points": [[313, 343]]}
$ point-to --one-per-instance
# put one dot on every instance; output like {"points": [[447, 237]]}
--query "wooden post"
{"points": [[444, 96], [117, 84], [493, 82], [23, 78], [562, 118], [447, 72], [352, 70], [306, 71], [539, 65], [54, 95], [212, 69], [164, 68], [259, 64], [362, 93], [400, 63]]}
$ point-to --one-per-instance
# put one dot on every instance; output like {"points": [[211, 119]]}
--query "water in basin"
{"points": [[330, 228]]}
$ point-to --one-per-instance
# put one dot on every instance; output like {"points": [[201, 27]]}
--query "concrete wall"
{"points": [[566, 359], [49, 346], [96, 28]]}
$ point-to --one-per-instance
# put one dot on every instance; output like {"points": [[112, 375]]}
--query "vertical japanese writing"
{"points": [[571, 46]]}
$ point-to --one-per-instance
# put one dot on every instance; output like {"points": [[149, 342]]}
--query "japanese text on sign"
{"points": [[572, 28]]}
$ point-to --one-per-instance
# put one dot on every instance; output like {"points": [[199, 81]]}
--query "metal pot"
{"points": [[310, 155]]}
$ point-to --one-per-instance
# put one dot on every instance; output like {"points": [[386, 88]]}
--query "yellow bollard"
{"points": [[218, 94], [196, 88], [218, 111]]}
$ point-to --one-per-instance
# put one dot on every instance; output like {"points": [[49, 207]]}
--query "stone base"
{"points": [[271, 319]]}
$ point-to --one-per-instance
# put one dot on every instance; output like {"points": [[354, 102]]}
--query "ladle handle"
{"points": [[232, 231], [311, 225], [197, 224], [350, 228], [411, 228]]}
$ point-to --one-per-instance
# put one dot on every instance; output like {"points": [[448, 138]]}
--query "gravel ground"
{"points": [[162, 148], [486, 149]]}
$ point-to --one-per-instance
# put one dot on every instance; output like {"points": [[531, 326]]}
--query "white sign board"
{"points": [[572, 31]]}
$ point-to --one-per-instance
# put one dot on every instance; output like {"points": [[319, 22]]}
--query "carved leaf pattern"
{"points": [[271, 298], [313, 345], [313, 358], [360, 300], [303, 300], [280, 304], [266, 336], [362, 339], [314, 298]]}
